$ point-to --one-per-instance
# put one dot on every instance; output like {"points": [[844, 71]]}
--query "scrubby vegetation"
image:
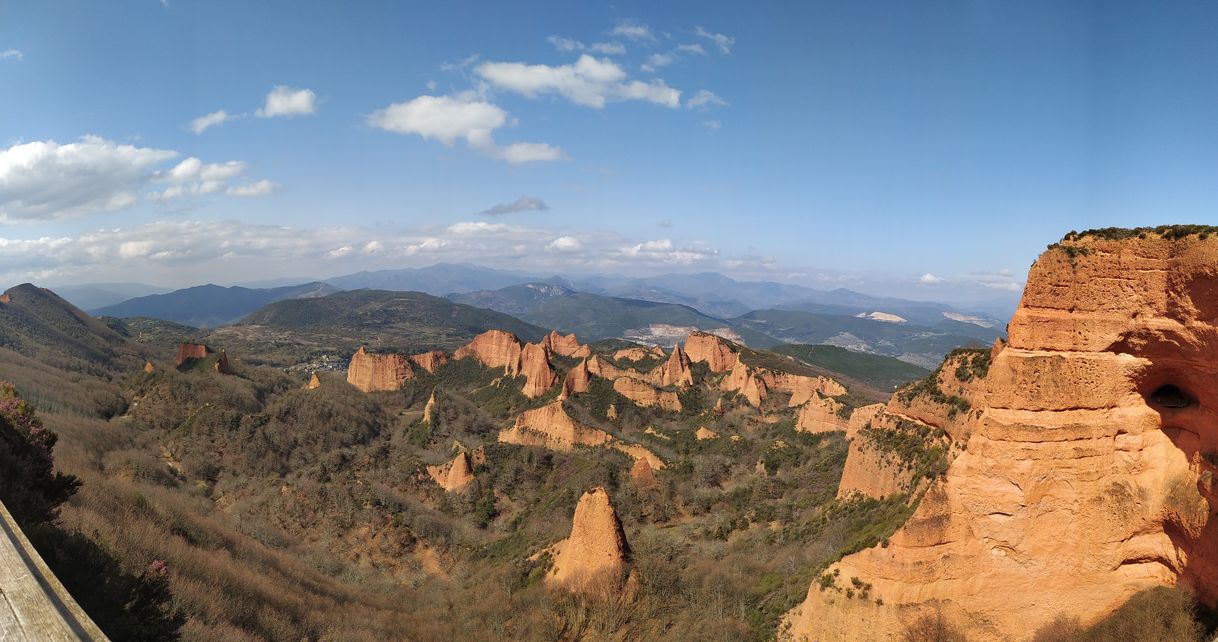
{"points": [[885, 373], [966, 364], [1158, 613]]}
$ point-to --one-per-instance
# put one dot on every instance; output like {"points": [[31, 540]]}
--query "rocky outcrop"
{"points": [[314, 382], [535, 366], [638, 353], [605, 370], [637, 453], [221, 365], [892, 454], [551, 427], [743, 380], [455, 476], [712, 350], [429, 409], [148, 367], [378, 372], [860, 417], [494, 349], [1087, 473], [595, 558], [646, 395], [821, 414], [430, 361], [578, 380], [188, 351], [674, 372], [499, 349], [800, 387], [703, 433], [642, 473], [565, 346]]}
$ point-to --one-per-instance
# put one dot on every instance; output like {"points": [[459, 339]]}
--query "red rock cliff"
{"points": [[1087, 474], [594, 558], [377, 372]]}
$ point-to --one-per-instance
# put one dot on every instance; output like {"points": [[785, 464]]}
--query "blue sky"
{"points": [[926, 149]]}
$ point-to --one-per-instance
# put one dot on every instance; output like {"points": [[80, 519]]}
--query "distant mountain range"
{"points": [[208, 306], [658, 309]]}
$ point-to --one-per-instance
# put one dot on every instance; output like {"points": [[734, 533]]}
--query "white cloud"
{"points": [[449, 119], [45, 180], [569, 45], [712, 125], [522, 204], [339, 252], [589, 81], [608, 48], [930, 279], [289, 102], [470, 228], [252, 190], [664, 252], [565, 244], [565, 44], [202, 123], [656, 61], [11, 54], [692, 48], [705, 99], [531, 153], [724, 43], [443, 118], [185, 252], [193, 177], [633, 31]]}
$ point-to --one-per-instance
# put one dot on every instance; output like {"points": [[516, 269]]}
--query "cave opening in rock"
{"points": [[1171, 396]]}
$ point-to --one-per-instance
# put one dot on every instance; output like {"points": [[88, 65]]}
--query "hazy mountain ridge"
{"points": [[210, 305]]}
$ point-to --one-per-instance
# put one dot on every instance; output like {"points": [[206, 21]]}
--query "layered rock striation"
{"points": [[378, 372], [1085, 466]]}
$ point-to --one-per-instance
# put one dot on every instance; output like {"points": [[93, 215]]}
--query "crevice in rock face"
{"points": [[1170, 396]]}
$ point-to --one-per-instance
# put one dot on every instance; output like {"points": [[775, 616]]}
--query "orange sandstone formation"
{"points": [[743, 380], [495, 349], [565, 346], [377, 372], [703, 433], [632, 354], [713, 350], [190, 351], [644, 394], [578, 380], [551, 427], [594, 558], [429, 361], [1085, 473], [429, 409], [221, 365], [148, 367], [637, 453], [605, 370], [674, 372], [499, 349], [314, 382], [821, 414], [535, 366], [455, 476], [800, 387], [642, 474]]}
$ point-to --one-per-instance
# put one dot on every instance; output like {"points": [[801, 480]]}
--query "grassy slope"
{"points": [[885, 373], [291, 331]]}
